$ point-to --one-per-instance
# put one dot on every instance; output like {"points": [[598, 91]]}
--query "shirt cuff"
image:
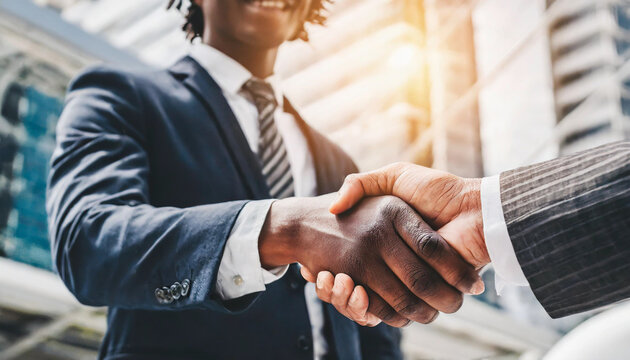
{"points": [[502, 255], [240, 272]]}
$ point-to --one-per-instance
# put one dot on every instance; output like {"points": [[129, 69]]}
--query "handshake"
{"points": [[397, 258]]}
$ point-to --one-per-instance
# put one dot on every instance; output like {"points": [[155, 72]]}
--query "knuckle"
{"points": [[429, 243], [391, 206], [406, 305], [423, 282], [324, 297], [399, 166], [338, 304], [385, 313], [342, 311], [351, 179]]}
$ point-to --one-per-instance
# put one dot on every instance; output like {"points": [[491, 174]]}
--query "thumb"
{"points": [[350, 193], [307, 274], [375, 183]]}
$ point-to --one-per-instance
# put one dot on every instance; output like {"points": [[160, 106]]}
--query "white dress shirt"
{"points": [[507, 270], [240, 272]]}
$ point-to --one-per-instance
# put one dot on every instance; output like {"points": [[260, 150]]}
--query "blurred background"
{"points": [[469, 86]]}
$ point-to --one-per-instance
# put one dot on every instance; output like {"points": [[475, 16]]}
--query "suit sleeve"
{"points": [[109, 245], [569, 222]]}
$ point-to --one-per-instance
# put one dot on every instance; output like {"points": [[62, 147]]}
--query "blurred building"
{"points": [[516, 100], [590, 43], [39, 53], [453, 72]]}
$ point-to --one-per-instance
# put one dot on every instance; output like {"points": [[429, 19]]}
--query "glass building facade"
{"points": [[31, 103]]}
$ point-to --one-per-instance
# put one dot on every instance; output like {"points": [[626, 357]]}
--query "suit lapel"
{"points": [[200, 83], [331, 163]]}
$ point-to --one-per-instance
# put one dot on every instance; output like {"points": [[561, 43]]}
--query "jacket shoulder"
{"points": [[105, 98], [109, 76]]}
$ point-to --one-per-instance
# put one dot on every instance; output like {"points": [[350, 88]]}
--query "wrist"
{"points": [[277, 242], [471, 193]]}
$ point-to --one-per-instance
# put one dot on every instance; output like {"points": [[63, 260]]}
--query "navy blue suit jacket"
{"points": [[148, 176]]}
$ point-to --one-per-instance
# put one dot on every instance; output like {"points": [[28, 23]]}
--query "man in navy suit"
{"points": [[172, 200]]}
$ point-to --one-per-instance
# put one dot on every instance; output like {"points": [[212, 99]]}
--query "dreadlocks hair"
{"points": [[194, 18]]}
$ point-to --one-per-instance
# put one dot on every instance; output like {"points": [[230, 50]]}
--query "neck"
{"points": [[259, 61]]}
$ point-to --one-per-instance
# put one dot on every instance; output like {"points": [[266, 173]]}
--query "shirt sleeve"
{"points": [[502, 255], [240, 272]]}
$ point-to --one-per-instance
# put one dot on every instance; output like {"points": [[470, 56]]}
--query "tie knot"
{"points": [[261, 92]]}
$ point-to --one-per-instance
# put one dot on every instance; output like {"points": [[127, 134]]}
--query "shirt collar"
{"points": [[229, 74]]}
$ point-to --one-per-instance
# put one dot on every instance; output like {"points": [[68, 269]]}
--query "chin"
{"points": [[268, 22]]}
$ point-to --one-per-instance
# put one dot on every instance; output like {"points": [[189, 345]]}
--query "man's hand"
{"points": [[408, 270], [449, 203]]}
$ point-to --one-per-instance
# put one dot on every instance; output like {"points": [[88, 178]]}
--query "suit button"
{"points": [[159, 295], [304, 343], [185, 287], [168, 296], [176, 290]]}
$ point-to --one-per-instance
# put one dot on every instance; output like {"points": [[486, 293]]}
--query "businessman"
{"points": [[172, 201], [561, 227]]}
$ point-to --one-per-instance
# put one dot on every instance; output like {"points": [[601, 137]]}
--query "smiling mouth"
{"points": [[272, 4]]}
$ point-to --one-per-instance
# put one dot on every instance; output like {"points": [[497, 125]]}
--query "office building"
{"points": [[590, 43]]}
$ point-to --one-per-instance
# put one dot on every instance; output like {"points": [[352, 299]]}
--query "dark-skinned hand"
{"points": [[407, 270]]}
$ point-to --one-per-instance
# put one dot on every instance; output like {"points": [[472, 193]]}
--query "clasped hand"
{"points": [[411, 255], [399, 268]]}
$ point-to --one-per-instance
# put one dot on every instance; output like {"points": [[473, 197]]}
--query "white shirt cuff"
{"points": [[502, 255], [240, 272]]}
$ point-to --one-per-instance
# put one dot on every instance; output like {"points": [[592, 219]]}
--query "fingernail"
{"points": [[478, 288], [320, 284]]}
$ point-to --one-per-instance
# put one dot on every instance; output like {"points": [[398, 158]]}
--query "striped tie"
{"points": [[271, 151]]}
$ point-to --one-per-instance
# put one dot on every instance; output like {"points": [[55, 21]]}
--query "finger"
{"points": [[399, 298], [381, 310], [333, 290], [421, 279], [356, 186], [307, 274], [324, 285], [432, 248], [372, 320], [342, 289], [384, 312], [358, 308]]}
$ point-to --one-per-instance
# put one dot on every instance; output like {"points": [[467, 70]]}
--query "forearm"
{"points": [[117, 255], [568, 220]]}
